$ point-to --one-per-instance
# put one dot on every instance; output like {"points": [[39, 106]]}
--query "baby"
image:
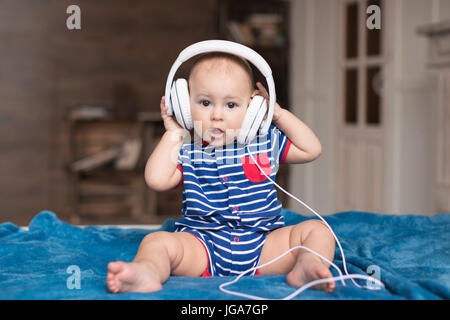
{"points": [[231, 215]]}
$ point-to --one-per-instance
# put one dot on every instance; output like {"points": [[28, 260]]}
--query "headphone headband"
{"points": [[228, 47]]}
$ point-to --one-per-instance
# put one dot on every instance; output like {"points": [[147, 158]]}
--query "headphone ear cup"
{"points": [[179, 96], [252, 120]]}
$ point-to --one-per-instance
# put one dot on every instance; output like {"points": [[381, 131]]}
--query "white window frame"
{"points": [[360, 63]]}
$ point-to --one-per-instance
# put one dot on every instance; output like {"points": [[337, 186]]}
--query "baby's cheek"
{"points": [[231, 135], [198, 129], [231, 132]]}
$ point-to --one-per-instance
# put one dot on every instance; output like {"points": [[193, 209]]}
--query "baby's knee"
{"points": [[159, 239], [163, 241], [156, 236], [305, 228], [315, 224]]}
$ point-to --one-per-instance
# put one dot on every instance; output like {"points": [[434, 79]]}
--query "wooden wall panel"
{"points": [[46, 69]]}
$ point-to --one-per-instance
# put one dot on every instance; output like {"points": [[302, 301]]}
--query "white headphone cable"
{"points": [[312, 283], [312, 210]]}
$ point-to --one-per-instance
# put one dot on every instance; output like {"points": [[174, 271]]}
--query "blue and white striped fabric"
{"points": [[227, 202]]}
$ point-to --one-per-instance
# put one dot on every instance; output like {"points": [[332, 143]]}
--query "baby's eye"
{"points": [[231, 105], [205, 103]]}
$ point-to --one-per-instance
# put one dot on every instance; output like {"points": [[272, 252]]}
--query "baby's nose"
{"points": [[217, 113]]}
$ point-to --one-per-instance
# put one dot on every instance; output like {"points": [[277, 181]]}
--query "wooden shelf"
{"points": [[105, 190]]}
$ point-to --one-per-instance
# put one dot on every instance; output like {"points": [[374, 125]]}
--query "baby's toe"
{"points": [[115, 267]]}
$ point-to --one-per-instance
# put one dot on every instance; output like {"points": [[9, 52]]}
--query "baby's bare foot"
{"points": [[307, 269], [131, 277]]}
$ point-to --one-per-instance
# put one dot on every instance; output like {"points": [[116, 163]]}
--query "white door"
{"points": [[360, 142]]}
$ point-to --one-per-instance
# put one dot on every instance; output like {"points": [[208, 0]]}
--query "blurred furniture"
{"points": [[439, 60], [264, 27], [106, 164]]}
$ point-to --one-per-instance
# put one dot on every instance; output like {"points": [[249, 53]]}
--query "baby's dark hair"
{"points": [[227, 56]]}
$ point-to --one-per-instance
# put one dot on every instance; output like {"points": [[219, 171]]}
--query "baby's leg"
{"points": [[300, 265], [160, 254]]}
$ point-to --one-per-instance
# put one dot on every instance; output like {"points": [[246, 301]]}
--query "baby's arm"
{"points": [[161, 171], [305, 146]]}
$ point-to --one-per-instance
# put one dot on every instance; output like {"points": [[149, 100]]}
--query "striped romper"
{"points": [[228, 205]]}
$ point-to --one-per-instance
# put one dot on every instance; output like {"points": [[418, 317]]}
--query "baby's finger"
{"points": [[164, 108]]}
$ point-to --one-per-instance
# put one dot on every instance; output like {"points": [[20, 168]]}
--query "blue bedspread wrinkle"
{"points": [[57, 260]]}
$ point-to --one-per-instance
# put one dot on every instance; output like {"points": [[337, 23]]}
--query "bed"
{"points": [[52, 259]]}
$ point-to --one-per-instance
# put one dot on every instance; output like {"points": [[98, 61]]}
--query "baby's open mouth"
{"points": [[216, 133]]}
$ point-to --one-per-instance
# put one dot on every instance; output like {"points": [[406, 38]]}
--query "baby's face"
{"points": [[220, 91]]}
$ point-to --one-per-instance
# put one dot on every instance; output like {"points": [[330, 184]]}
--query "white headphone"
{"points": [[178, 93]]}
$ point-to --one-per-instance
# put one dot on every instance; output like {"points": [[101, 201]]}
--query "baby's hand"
{"points": [[263, 92], [169, 122]]}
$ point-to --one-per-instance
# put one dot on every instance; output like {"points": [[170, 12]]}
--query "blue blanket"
{"points": [[56, 260]]}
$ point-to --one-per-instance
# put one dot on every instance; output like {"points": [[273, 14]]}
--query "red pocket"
{"points": [[251, 170]]}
